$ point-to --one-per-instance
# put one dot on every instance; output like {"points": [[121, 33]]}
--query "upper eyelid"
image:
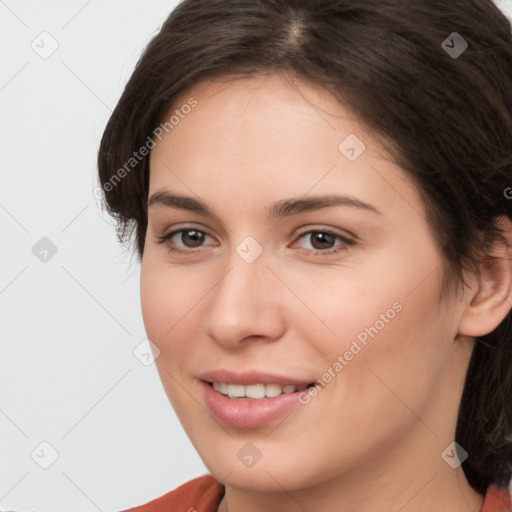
{"points": [[188, 228]]}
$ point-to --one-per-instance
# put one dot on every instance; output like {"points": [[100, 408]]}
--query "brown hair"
{"points": [[443, 114]]}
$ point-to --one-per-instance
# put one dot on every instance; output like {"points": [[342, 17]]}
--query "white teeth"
{"points": [[223, 388], [272, 390], [254, 391], [236, 390]]}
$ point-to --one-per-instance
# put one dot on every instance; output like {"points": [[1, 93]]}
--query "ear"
{"points": [[489, 296]]}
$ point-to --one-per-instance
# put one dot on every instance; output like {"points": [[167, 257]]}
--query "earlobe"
{"points": [[489, 296]]}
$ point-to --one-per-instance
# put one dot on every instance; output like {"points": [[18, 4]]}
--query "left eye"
{"points": [[323, 240]]}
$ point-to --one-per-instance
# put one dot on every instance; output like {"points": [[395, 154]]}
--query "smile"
{"points": [[255, 391]]}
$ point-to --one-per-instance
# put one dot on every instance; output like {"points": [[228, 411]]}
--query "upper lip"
{"points": [[251, 377]]}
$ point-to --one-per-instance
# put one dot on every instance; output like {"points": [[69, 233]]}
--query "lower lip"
{"points": [[248, 413]]}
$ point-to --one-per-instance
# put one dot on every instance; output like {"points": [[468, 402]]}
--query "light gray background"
{"points": [[69, 326]]}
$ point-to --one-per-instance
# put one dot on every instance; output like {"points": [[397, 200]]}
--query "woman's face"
{"points": [[269, 282]]}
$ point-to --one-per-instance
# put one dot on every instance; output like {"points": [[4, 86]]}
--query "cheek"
{"points": [[389, 364], [167, 304], [380, 335], [167, 297], [341, 305]]}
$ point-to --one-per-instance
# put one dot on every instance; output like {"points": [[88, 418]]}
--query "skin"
{"points": [[372, 438]]}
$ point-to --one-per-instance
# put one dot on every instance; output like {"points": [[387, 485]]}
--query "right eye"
{"points": [[189, 237]]}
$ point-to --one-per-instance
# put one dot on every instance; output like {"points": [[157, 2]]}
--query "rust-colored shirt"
{"points": [[203, 494]]}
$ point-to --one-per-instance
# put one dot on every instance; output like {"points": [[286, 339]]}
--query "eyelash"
{"points": [[347, 242]]}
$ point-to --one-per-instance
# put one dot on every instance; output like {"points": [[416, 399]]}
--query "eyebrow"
{"points": [[278, 209]]}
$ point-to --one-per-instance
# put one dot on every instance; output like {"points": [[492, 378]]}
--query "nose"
{"points": [[246, 303]]}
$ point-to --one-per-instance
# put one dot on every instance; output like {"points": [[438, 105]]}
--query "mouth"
{"points": [[256, 391], [251, 399], [249, 406]]}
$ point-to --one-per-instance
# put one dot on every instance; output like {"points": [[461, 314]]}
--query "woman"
{"points": [[375, 372]]}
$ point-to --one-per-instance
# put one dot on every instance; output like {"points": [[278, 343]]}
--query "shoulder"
{"points": [[202, 494], [497, 500]]}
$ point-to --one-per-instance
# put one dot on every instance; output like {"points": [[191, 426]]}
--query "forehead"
{"points": [[267, 104], [262, 135]]}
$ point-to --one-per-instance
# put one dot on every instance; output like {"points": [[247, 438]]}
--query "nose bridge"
{"points": [[244, 301]]}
